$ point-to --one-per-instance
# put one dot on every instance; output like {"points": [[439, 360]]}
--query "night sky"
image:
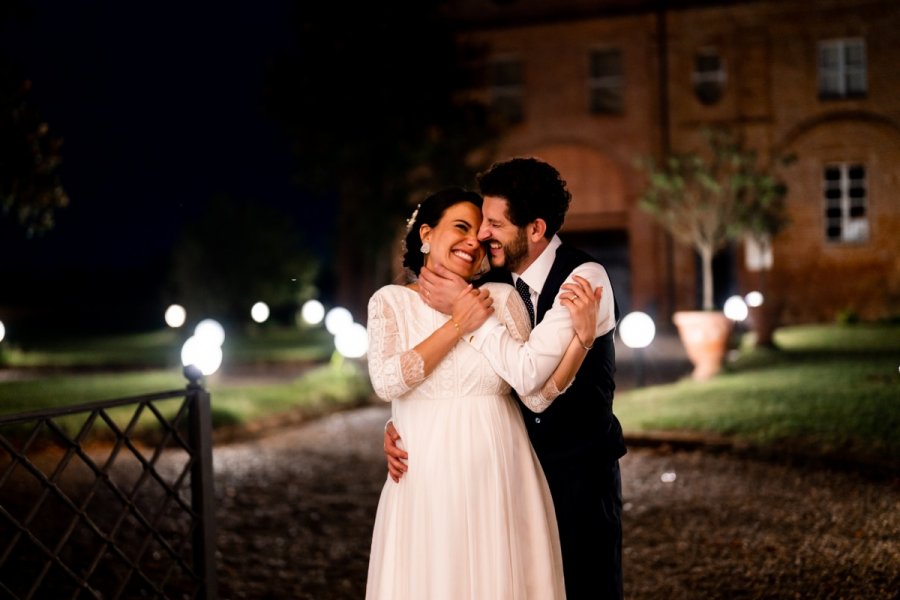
{"points": [[159, 107]]}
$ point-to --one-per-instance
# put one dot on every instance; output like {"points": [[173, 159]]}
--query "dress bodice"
{"points": [[399, 320]]}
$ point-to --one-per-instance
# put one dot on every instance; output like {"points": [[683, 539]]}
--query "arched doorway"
{"points": [[597, 221]]}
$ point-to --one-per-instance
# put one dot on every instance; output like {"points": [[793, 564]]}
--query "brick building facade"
{"points": [[592, 87]]}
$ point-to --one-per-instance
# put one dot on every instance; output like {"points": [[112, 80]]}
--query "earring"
{"points": [[426, 247]]}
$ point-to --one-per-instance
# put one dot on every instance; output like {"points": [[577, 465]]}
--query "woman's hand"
{"points": [[471, 309], [583, 303]]}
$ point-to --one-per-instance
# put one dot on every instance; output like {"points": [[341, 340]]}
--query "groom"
{"points": [[578, 439]]}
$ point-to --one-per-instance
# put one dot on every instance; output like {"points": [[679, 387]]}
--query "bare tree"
{"points": [[705, 200]]}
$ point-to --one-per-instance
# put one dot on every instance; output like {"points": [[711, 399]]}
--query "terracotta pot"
{"points": [[705, 338]]}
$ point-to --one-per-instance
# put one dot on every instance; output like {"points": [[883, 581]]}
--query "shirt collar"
{"points": [[537, 272]]}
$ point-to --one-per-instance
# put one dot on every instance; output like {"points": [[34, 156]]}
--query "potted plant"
{"points": [[706, 200]]}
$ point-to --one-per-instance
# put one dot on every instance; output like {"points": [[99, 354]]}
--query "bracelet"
{"points": [[456, 325], [582, 343]]}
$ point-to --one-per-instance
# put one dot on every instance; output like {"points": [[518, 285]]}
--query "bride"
{"points": [[472, 517]]}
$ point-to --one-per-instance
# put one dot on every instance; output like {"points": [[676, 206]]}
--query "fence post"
{"points": [[202, 492]]}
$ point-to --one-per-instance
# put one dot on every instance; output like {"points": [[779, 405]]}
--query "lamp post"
{"points": [[312, 312], [175, 316], [337, 318], [735, 309], [259, 312], [202, 352], [637, 331], [352, 341], [754, 299], [350, 338]]}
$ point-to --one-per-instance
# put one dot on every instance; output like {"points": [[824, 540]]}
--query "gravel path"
{"points": [[295, 512]]}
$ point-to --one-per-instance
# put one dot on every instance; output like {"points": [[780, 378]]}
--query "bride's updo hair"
{"points": [[430, 212]]}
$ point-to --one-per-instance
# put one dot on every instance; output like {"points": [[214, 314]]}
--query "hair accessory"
{"points": [[412, 218], [426, 247]]}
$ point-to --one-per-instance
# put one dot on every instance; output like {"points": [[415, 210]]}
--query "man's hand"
{"points": [[396, 457], [583, 302], [440, 288]]}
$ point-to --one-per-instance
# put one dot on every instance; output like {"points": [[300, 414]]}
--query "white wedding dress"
{"points": [[472, 518]]}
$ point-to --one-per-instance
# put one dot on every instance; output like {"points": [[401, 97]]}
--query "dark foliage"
{"points": [[235, 254], [373, 100], [30, 188]]}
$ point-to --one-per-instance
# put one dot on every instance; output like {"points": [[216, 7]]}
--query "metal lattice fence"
{"points": [[91, 509]]}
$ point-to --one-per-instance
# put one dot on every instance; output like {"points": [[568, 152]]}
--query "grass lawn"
{"points": [[829, 391], [162, 349], [320, 389], [70, 372]]}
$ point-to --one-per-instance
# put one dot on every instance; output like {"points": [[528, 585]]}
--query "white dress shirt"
{"points": [[527, 365]]}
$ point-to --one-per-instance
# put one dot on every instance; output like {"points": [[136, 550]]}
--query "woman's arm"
{"points": [[471, 309], [394, 369]]}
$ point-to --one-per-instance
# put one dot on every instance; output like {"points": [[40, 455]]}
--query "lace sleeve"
{"points": [[393, 370], [515, 317]]}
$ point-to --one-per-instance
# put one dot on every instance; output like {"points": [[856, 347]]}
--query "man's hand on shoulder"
{"points": [[440, 288]]}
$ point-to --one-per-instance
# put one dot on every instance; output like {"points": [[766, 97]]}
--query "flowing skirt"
{"points": [[472, 518]]}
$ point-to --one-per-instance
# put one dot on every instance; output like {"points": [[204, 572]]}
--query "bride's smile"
{"points": [[453, 241]]}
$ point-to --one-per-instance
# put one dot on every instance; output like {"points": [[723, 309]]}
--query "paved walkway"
{"points": [[295, 512]]}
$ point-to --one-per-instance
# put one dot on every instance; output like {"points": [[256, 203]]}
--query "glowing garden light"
{"points": [[175, 316], [312, 312], [735, 308], [202, 353], [337, 319], [352, 341], [209, 329], [637, 330], [259, 312], [2, 331], [204, 349], [754, 299]]}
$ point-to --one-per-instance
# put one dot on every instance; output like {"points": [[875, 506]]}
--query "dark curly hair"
{"points": [[532, 188], [430, 212]]}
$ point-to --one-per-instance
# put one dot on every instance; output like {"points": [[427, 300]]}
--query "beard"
{"points": [[514, 252]]}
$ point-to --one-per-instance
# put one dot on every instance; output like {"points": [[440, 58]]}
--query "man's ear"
{"points": [[536, 230]]}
